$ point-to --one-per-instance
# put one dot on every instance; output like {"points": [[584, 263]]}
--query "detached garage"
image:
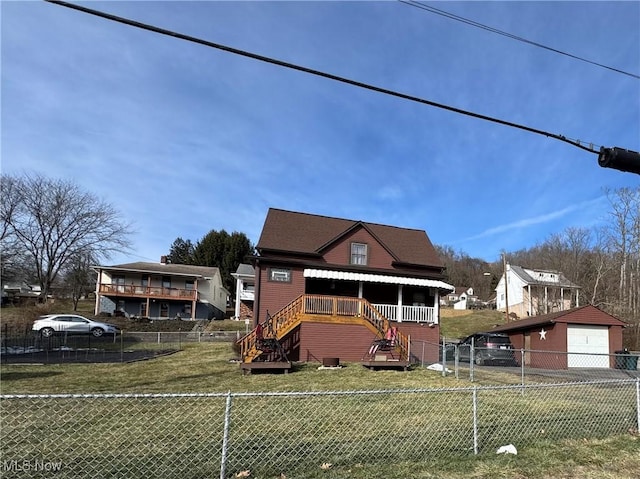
{"points": [[584, 337]]}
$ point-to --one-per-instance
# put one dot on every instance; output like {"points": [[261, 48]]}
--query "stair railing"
{"points": [[282, 322]]}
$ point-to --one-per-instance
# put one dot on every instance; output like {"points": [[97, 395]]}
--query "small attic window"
{"points": [[359, 254]]}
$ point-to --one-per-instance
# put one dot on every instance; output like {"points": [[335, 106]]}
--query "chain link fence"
{"points": [[500, 366], [217, 435], [31, 347]]}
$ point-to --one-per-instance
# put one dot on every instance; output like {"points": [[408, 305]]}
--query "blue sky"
{"points": [[183, 139]]}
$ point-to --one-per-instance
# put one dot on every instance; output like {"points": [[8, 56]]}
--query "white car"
{"points": [[51, 324]]}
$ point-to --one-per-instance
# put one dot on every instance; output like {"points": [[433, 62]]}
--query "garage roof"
{"points": [[582, 315]]}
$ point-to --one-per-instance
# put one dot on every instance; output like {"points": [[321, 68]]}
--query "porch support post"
{"points": [[238, 290], [360, 287], [577, 298], [399, 314], [561, 299], [436, 307], [530, 300], [546, 301], [193, 301]]}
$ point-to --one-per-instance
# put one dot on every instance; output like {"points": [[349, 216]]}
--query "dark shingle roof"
{"points": [[587, 314], [304, 233], [161, 268]]}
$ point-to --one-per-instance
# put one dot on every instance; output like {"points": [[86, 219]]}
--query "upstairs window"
{"points": [[359, 253], [281, 275]]}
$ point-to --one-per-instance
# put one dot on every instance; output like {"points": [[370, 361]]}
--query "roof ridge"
{"points": [[371, 223]]}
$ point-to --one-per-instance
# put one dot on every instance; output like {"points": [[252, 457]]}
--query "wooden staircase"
{"points": [[282, 323]]}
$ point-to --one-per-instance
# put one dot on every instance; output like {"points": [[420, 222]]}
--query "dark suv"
{"points": [[489, 348]]}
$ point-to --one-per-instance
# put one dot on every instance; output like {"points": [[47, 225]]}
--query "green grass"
{"points": [[461, 323], [200, 367], [422, 435], [364, 437]]}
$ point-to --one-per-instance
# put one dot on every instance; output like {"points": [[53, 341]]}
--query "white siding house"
{"points": [[532, 292]]}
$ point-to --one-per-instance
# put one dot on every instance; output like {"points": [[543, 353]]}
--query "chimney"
{"points": [[163, 259]]}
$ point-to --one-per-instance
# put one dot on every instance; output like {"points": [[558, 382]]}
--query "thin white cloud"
{"points": [[533, 221]]}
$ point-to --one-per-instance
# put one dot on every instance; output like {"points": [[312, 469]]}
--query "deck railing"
{"points": [[147, 291], [414, 314], [282, 322]]}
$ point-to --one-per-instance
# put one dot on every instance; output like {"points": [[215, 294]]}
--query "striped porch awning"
{"points": [[377, 278]]}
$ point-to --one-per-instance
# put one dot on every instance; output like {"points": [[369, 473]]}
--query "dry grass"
{"points": [[460, 324], [205, 367]]}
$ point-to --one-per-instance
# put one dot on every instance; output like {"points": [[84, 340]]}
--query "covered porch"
{"points": [[397, 298]]}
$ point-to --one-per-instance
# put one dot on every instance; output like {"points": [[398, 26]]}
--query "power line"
{"points": [[161, 31], [428, 8]]}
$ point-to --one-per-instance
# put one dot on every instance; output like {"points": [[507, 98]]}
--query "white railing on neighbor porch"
{"points": [[414, 314], [247, 295]]}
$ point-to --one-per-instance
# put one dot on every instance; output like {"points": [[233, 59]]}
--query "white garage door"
{"points": [[588, 346]]}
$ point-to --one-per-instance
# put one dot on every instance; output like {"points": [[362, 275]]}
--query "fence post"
{"points": [[158, 337], [475, 420], [472, 359], [444, 360], [522, 369], [225, 436], [456, 361], [638, 404]]}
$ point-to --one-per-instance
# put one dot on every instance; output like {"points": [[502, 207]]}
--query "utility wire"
{"points": [[330, 76], [452, 16]]}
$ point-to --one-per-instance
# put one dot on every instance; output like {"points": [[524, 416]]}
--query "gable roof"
{"points": [[245, 270], [308, 234], [587, 314], [162, 268], [562, 282]]}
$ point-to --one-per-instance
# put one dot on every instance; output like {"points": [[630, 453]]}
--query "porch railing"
{"points": [[147, 291], [282, 322], [415, 314]]}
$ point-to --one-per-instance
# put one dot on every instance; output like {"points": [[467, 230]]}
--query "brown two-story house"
{"points": [[331, 287]]}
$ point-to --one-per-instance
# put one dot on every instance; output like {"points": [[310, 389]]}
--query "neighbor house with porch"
{"points": [[332, 287], [533, 292], [245, 276], [161, 291]]}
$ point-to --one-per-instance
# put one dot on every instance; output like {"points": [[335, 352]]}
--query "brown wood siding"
{"points": [[542, 355], [275, 295], [340, 252], [615, 342], [348, 342]]}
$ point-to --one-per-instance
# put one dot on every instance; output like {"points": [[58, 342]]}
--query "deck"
{"points": [[271, 366], [389, 364]]}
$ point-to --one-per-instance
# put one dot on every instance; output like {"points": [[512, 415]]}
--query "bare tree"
{"points": [[78, 276], [51, 221], [623, 244]]}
